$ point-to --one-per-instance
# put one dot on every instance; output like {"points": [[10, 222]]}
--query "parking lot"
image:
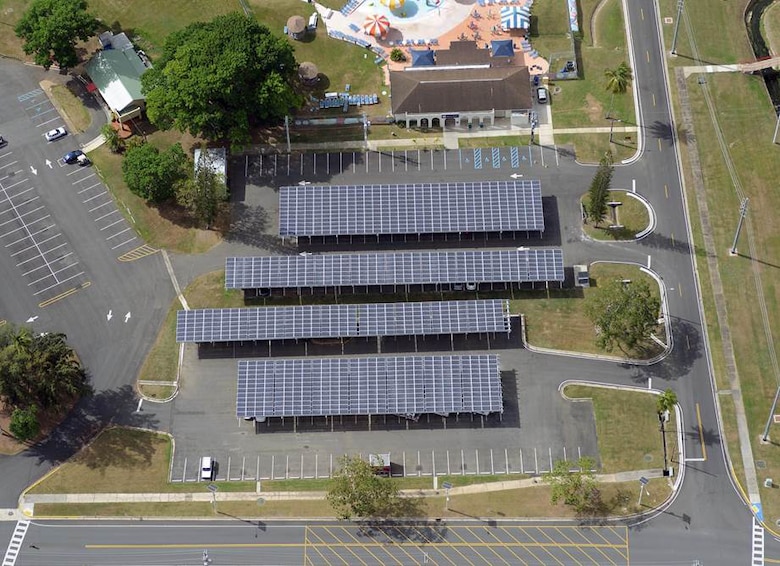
{"points": [[31, 237], [315, 166]]}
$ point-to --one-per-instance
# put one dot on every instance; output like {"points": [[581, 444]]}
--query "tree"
{"points": [[113, 141], [397, 55], [625, 313], [598, 194], [153, 174], [217, 79], [356, 491], [574, 484], [50, 29], [204, 191], [619, 78], [24, 423], [38, 370]]}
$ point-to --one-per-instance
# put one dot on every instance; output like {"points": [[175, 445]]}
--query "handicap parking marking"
{"points": [[514, 157], [28, 95], [496, 154], [477, 158]]}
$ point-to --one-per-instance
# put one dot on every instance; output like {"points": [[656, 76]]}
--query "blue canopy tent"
{"points": [[422, 58], [502, 48], [513, 17]]}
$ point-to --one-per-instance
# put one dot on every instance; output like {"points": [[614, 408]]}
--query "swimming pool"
{"points": [[411, 10]]}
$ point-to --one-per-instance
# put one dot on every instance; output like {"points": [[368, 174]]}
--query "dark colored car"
{"points": [[72, 156], [3, 141]]}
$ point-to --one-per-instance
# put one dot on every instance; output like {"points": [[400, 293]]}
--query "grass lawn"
{"points": [[162, 361], [770, 28], [557, 319], [341, 63], [161, 226], [123, 460], [528, 502], [585, 102], [627, 428], [499, 141], [590, 148], [71, 106], [739, 101], [632, 215]]}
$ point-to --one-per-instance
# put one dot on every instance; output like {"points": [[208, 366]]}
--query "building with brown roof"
{"points": [[476, 94]]}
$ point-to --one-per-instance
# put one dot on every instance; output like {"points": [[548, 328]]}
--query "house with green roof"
{"points": [[116, 74]]}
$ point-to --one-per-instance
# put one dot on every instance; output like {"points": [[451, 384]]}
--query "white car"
{"points": [[206, 468], [55, 134]]}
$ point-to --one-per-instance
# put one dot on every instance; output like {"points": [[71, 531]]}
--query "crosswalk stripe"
{"points": [[12, 552], [758, 544]]}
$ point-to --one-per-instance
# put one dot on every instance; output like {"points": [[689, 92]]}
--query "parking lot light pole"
{"points": [[662, 419]]}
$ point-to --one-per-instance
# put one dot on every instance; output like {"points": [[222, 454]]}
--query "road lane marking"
{"points": [[61, 296], [701, 433], [647, 53], [15, 544], [653, 95], [666, 190], [642, 13], [659, 145]]}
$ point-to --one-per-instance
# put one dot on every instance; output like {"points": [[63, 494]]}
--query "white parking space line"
{"points": [[42, 266], [36, 245], [2, 155], [75, 171], [106, 215], [117, 234], [9, 187], [83, 179], [123, 243], [9, 165], [112, 224], [100, 206], [89, 187], [94, 197], [29, 235], [47, 121], [54, 274], [58, 283], [20, 193], [41, 113], [21, 263], [22, 227]]}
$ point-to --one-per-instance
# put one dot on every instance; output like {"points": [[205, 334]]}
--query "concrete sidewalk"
{"points": [[28, 500]]}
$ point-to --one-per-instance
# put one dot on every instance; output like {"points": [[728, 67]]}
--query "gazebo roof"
{"points": [[308, 70], [296, 24]]}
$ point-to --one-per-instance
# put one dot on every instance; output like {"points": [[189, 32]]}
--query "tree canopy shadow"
{"points": [[90, 416], [686, 350], [397, 531]]}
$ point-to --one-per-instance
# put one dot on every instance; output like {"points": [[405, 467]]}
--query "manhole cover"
{"points": [[260, 500], [760, 464], [648, 457]]}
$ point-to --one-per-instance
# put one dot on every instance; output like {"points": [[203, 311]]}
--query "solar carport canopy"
{"points": [[345, 321], [423, 208], [396, 268], [404, 385]]}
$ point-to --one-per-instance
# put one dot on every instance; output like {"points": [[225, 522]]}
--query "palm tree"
{"points": [[619, 78], [665, 403]]}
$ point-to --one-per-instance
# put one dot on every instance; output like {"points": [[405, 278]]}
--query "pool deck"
{"points": [[451, 22]]}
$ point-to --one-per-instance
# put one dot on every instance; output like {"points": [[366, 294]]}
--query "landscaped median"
{"points": [[632, 217]]}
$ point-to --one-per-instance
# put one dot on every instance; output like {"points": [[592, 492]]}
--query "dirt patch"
{"points": [[593, 108]]}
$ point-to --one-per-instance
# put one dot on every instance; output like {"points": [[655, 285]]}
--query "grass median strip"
{"points": [[632, 216]]}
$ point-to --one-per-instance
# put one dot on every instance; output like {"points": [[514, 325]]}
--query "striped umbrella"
{"points": [[376, 25], [513, 17], [393, 4]]}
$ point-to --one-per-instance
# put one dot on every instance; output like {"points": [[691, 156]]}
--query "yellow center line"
{"points": [[648, 56], [642, 13], [323, 544], [411, 543], [653, 95], [355, 554], [563, 534], [365, 546], [659, 145], [543, 547], [459, 552], [306, 560], [316, 546], [701, 433], [496, 540], [666, 190], [556, 544]]}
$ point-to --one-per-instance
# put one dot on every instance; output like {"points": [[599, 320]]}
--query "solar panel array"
{"points": [[423, 208], [345, 321], [408, 385], [397, 268]]}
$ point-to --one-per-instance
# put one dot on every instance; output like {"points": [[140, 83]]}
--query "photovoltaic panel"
{"points": [[397, 268], [422, 208], [402, 385], [342, 321]]}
